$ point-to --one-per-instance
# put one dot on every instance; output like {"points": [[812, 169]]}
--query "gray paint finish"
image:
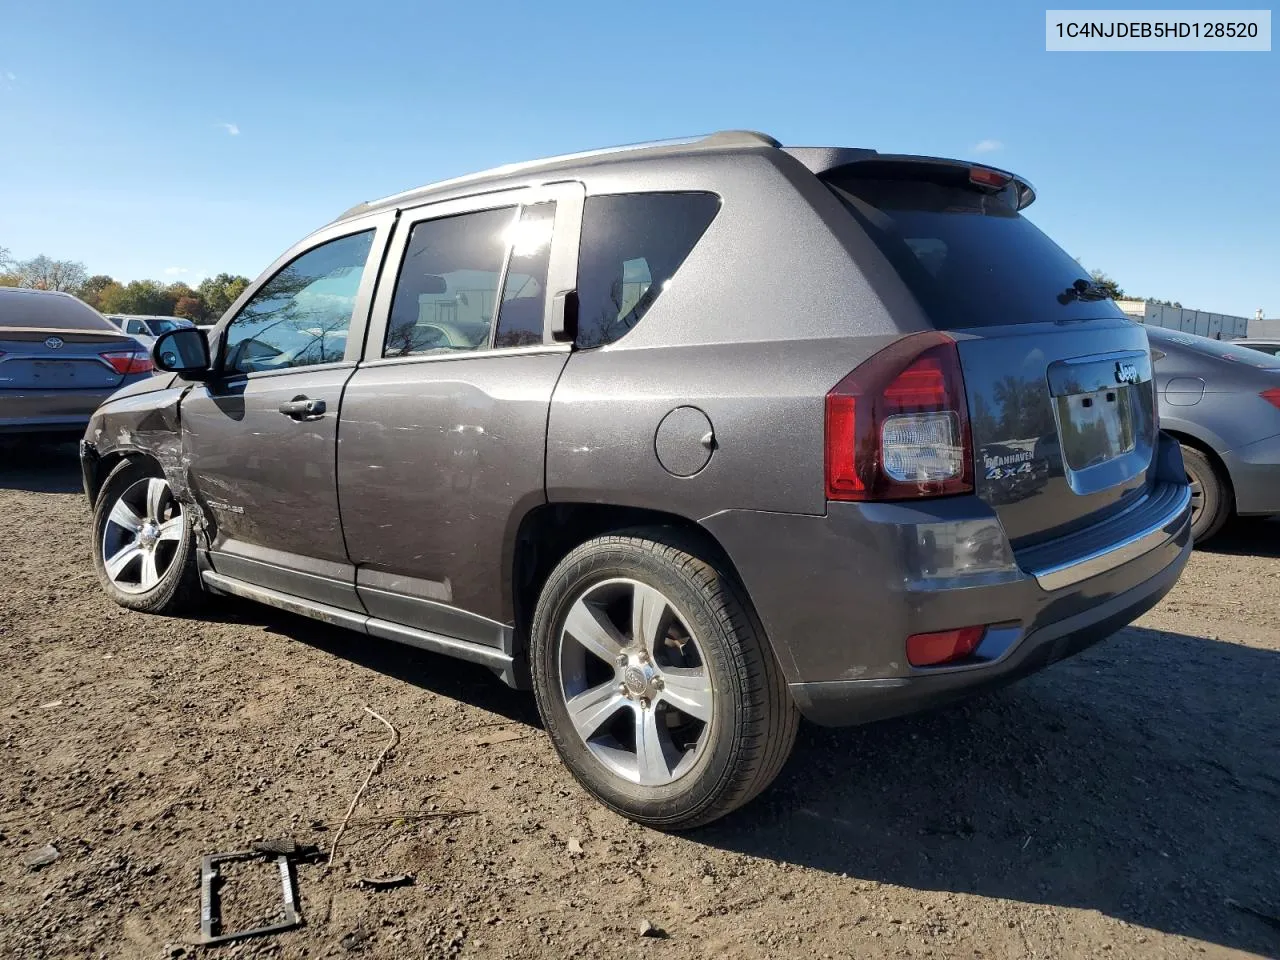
{"points": [[398, 510], [1217, 404], [439, 456]]}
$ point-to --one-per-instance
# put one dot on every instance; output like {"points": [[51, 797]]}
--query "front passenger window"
{"points": [[301, 315]]}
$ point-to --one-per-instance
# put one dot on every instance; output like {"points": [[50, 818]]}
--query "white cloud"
{"points": [[175, 271], [987, 146], [231, 129]]}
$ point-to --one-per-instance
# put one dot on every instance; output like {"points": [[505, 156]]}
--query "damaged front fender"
{"points": [[138, 421]]}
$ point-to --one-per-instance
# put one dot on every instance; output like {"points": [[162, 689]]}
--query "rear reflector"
{"points": [[1272, 396], [127, 362], [898, 425], [944, 646]]}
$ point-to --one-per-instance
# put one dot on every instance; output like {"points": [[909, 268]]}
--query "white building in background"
{"points": [[1218, 326]]}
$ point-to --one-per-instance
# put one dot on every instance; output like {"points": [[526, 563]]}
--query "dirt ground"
{"points": [[1124, 803]]}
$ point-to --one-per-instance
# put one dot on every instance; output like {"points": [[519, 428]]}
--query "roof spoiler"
{"points": [[827, 161]]}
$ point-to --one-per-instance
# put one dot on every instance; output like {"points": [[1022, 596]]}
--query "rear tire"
{"points": [[637, 641], [1212, 502], [143, 543]]}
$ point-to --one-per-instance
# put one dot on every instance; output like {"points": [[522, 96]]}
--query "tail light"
{"points": [[1272, 396], [945, 646], [898, 425], [126, 362]]}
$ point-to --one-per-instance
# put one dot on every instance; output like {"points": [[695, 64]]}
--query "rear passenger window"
{"points": [[632, 245]]}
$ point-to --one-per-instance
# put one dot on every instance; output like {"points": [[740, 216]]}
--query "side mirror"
{"points": [[184, 351]]}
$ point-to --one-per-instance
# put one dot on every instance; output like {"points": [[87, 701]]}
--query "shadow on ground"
{"points": [[1141, 780], [1248, 536], [439, 674], [40, 466]]}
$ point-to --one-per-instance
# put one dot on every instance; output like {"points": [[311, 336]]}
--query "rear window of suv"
{"points": [[966, 254], [632, 244]]}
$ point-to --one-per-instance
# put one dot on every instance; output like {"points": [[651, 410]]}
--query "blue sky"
{"points": [[147, 139]]}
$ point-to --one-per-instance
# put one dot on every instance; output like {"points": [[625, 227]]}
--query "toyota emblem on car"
{"points": [[54, 343]]}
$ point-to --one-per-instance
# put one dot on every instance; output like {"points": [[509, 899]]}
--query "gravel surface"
{"points": [[1124, 803]]}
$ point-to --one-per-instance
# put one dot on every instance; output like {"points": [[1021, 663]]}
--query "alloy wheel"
{"points": [[635, 683], [142, 535]]}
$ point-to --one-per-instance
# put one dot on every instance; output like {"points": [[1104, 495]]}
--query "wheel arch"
{"points": [[1215, 459], [548, 532], [103, 465]]}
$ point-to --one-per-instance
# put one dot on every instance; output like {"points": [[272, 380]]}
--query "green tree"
{"points": [[218, 293], [111, 298], [1112, 288], [137, 296], [92, 288]]}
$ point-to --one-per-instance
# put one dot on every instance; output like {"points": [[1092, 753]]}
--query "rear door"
{"points": [[260, 438], [443, 428], [1058, 380]]}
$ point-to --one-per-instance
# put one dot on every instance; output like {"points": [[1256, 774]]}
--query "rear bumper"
{"points": [[839, 594], [847, 702], [1255, 476]]}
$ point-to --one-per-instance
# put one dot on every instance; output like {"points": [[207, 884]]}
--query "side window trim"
{"points": [[562, 272], [381, 224]]}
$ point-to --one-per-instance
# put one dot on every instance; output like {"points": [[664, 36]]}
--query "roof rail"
{"points": [[740, 138], [725, 138]]}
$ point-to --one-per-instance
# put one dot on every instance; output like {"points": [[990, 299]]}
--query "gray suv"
{"points": [[692, 438]]}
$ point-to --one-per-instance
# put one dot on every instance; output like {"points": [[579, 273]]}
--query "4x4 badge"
{"points": [[1127, 372]]}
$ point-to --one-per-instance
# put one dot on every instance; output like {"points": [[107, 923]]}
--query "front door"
{"points": [[261, 437], [443, 428]]}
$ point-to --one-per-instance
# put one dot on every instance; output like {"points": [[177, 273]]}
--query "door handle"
{"points": [[303, 408]]}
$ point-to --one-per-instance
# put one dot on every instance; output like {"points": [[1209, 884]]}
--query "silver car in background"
{"points": [[59, 359], [146, 327], [1221, 401]]}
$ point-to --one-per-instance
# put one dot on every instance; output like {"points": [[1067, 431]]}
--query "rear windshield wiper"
{"points": [[1083, 290]]}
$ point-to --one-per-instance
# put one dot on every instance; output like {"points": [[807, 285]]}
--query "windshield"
{"points": [[969, 258], [160, 325]]}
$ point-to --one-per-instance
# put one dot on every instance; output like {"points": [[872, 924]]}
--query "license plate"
{"points": [[55, 370]]}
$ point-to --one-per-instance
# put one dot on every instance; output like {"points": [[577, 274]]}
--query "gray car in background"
{"points": [[1265, 346], [692, 438], [59, 359], [1221, 400]]}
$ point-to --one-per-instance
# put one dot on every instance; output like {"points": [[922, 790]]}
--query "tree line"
{"points": [[204, 303]]}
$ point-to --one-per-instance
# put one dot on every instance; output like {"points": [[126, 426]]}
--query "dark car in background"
{"points": [[1221, 400], [59, 359], [692, 438]]}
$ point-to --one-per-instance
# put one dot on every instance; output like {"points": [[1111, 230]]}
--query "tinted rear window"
{"points": [[969, 258], [20, 309], [632, 244]]}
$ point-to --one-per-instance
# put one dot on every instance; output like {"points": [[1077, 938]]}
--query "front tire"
{"points": [[655, 682], [1212, 502], [143, 543]]}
